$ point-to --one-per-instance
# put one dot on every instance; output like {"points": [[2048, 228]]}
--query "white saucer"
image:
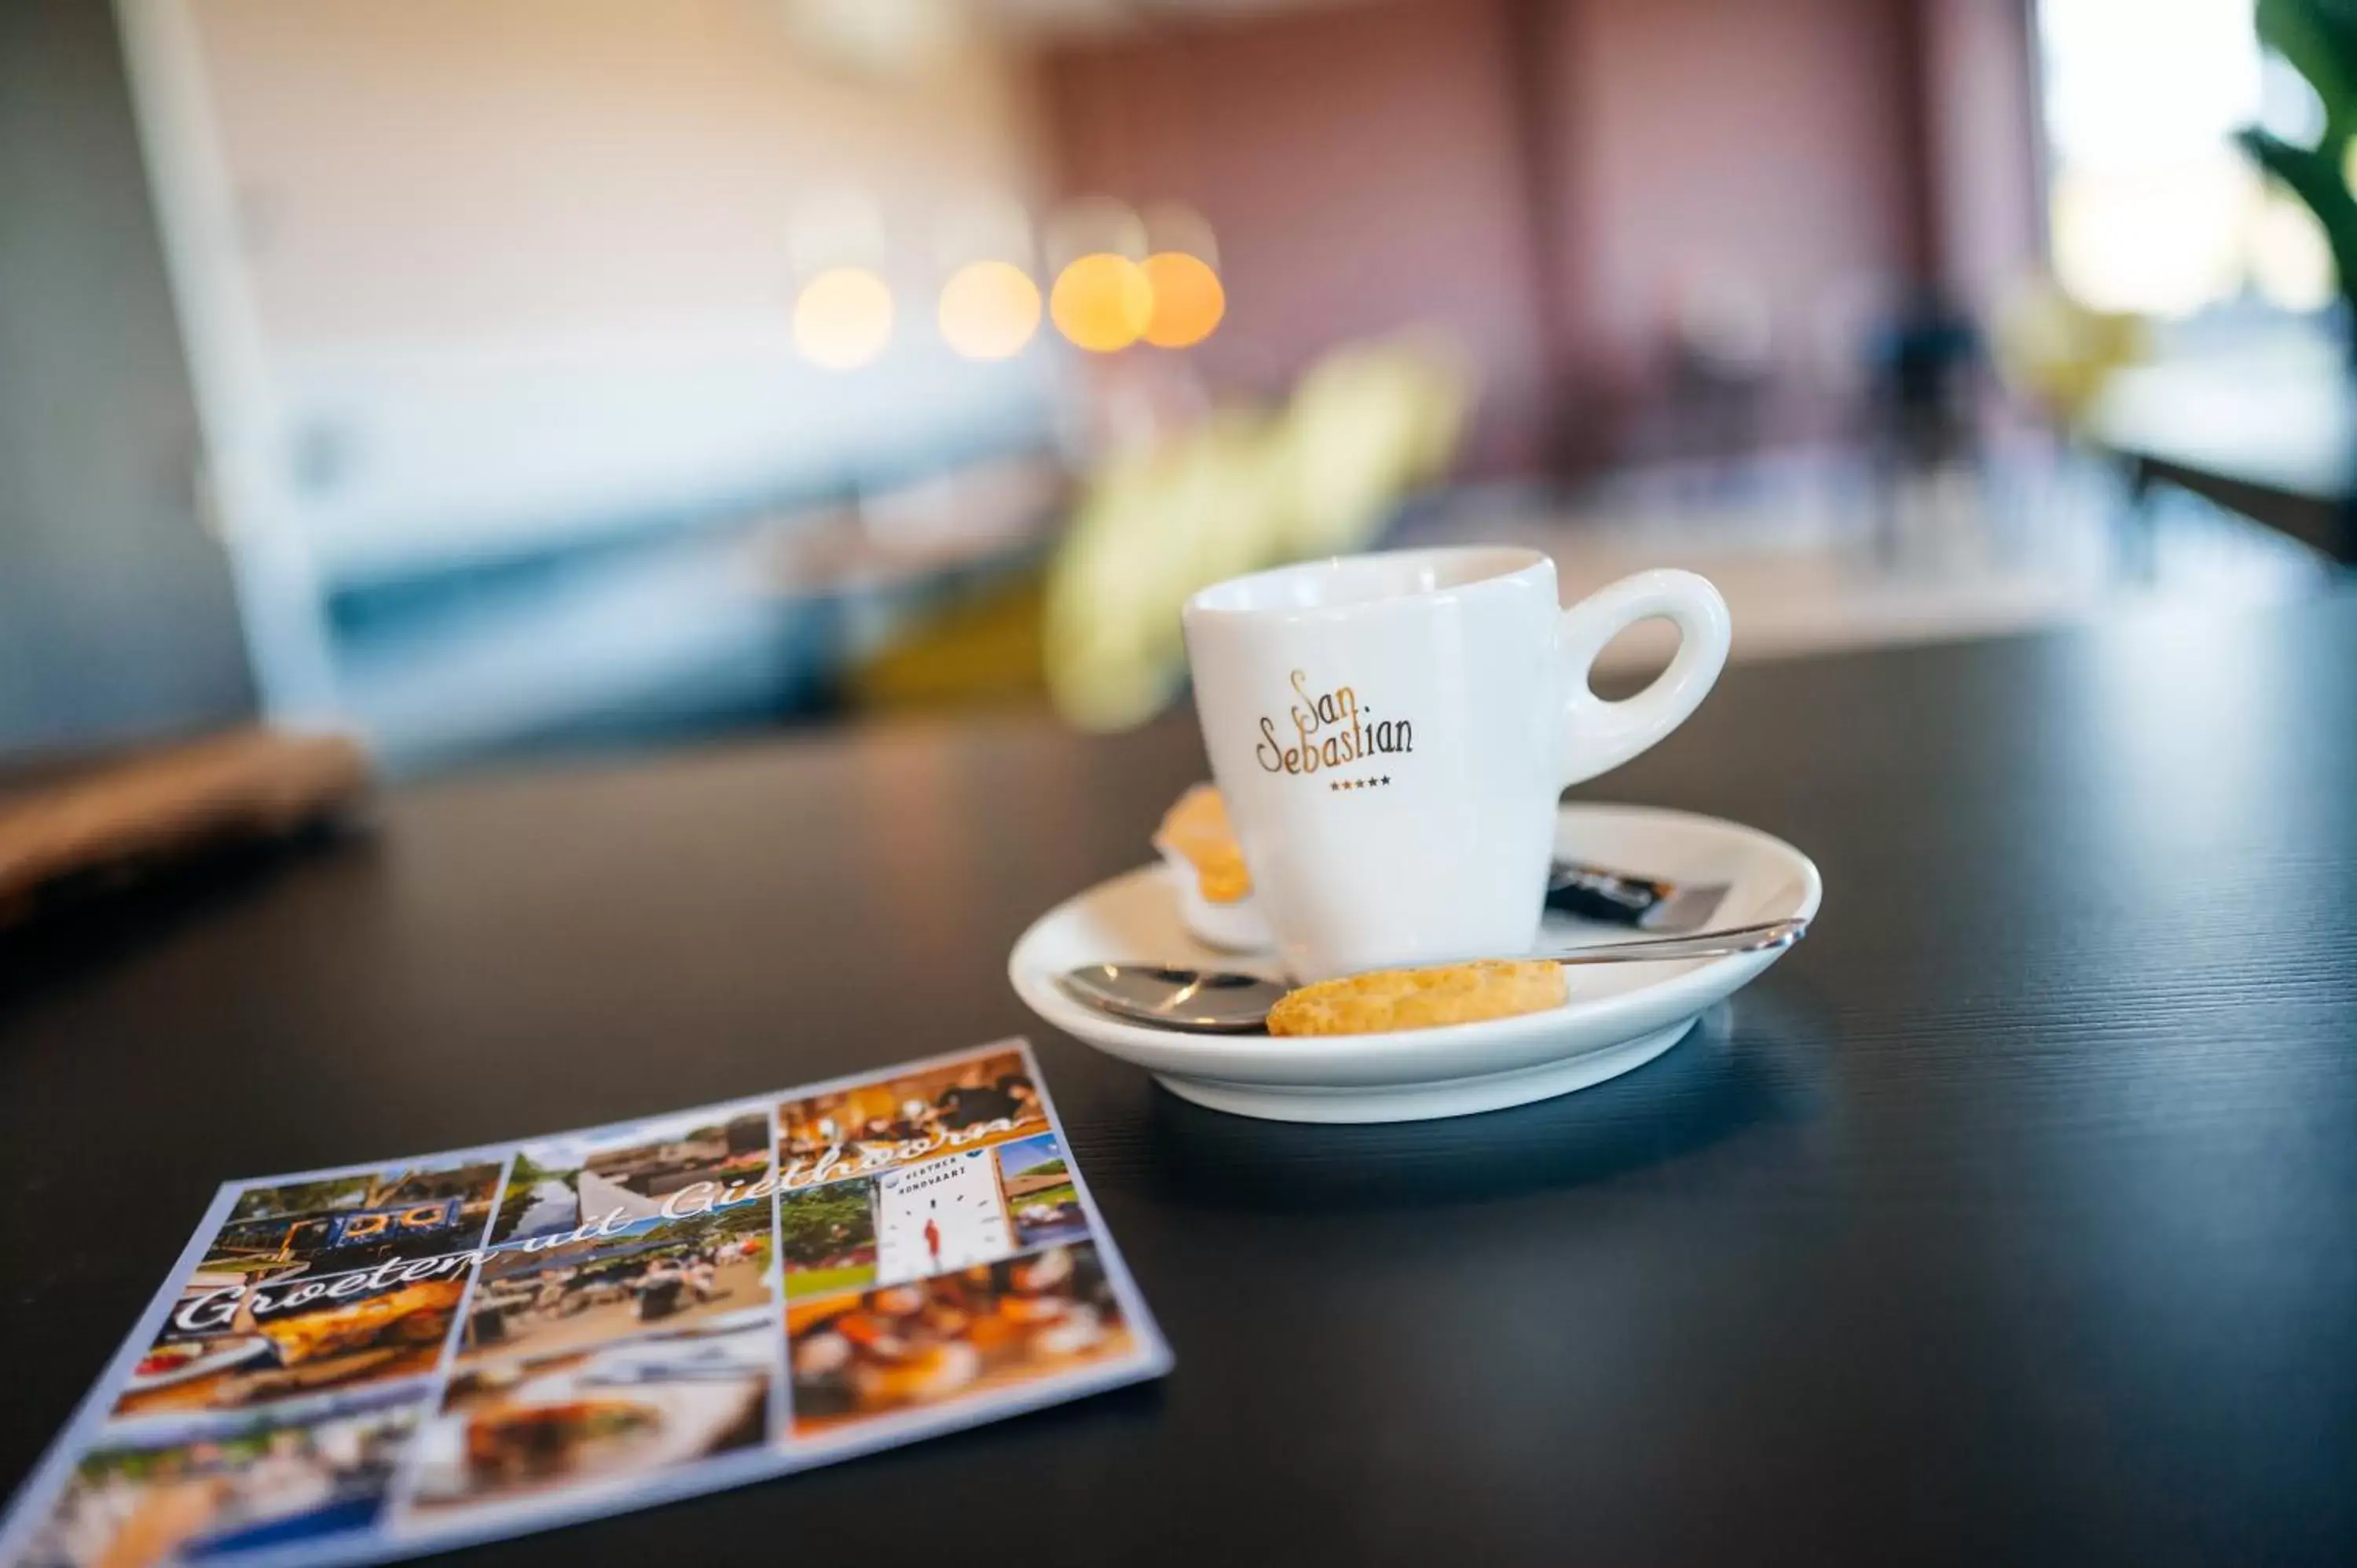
{"points": [[1619, 1016]]}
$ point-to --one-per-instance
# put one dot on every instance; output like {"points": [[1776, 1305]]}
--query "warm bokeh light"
{"points": [[843, 318], [1187, 299], [1101, 302], [989, 310]]}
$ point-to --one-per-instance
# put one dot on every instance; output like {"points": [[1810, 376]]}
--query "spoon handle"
{"points": [[1762, 938]]}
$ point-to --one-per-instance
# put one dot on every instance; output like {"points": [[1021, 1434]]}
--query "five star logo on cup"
{"points": [[1329, 729]]}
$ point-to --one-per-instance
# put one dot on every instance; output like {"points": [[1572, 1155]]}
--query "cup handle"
{"points": [[1598, 736]]}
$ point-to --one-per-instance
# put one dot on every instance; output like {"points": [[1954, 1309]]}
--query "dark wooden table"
{"points": [[2012, 1219]]}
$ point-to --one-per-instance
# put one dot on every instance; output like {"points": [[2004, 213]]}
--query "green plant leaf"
{"points": [[2316, 178], [2320, 39]]}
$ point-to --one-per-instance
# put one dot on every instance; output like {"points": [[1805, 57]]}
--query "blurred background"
{"points": [[495, 377]]}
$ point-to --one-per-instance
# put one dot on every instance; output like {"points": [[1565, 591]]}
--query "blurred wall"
{"points": [[1763, 155], [458, 170], [1988, 160], [117, 617], [526, 269], [1554, 178], [1361, 169]]}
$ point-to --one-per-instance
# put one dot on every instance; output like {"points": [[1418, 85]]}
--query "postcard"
{"points": [[359, 1364]]}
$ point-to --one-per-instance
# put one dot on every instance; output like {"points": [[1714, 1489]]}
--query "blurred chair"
{"points": [[1240, 489], [1365, 426], [1707, 412], [1922, 407], [2059, 354]]}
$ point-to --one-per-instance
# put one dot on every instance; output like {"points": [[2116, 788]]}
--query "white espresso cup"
{"points": [[1391, 733]]}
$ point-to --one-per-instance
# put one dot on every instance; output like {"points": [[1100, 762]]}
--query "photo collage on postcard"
{"points": [[464, 1346], [620, 1321], [283, 1394], [934, 1246]]}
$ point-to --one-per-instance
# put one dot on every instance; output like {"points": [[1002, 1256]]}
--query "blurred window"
{"points": [[2154, 209]]}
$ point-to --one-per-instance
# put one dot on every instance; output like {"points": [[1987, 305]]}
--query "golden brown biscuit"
{"points": [[1196, 828], [1388, 999]]}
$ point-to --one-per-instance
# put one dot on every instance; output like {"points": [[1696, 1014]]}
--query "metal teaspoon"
{"points": [[1224, 1002]]}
